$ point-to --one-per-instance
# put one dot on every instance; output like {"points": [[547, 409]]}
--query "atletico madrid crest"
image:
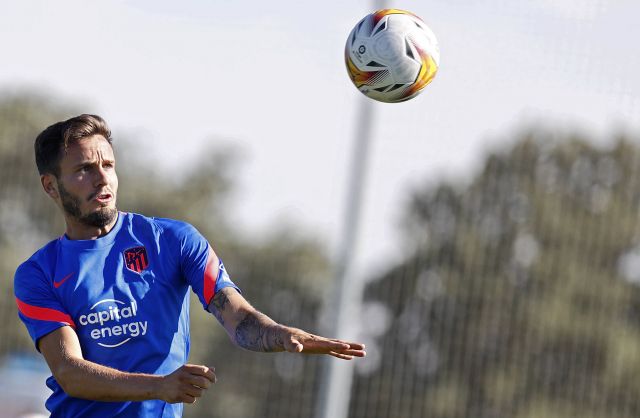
{"points": [[136, 259]]}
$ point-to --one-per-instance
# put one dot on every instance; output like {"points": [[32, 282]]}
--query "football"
{"points": [[391, 55]]}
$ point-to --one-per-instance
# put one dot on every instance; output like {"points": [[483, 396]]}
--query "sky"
{"points": [[269, 79]]}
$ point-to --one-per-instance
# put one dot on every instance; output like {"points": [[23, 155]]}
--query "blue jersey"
{"points": [[126, 295]]}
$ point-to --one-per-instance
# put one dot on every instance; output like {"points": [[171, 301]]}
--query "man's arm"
{"points": [[84, 379], [253, 330]]}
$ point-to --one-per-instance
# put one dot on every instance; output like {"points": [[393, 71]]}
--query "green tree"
{"points": [[520, 295], [27, 218]]}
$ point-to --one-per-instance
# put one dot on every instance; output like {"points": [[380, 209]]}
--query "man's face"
{"points": [[88, 184]]}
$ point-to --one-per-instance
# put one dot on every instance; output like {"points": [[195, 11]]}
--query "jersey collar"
{"points": [[88, 244]]}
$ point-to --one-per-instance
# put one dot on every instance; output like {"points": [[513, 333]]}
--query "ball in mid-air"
{"points": [[391, 55]]}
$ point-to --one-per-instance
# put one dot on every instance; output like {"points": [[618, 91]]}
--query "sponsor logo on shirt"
{"points": [[114, 322]]}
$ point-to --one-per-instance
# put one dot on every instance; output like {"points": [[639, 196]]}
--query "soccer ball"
{"points": [[391, 55]]}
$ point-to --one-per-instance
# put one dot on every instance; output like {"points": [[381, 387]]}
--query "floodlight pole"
{"points": [[344, 307], [346, 297]]}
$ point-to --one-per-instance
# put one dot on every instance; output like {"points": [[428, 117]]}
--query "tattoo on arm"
{"points": [[249, 333], [217, 305], [257, 332]]}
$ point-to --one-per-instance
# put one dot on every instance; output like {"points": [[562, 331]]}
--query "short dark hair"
{"points": [[56, 138]]}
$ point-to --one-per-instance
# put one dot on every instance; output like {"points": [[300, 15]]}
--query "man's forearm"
{"points": [[253, 330], [87, 380], [247, 327], [258, 332]]}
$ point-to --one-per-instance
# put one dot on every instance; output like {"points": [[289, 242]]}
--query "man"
{"points": [[107, 303]]}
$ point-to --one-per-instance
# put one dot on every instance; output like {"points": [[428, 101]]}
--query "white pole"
{"points": [[344, 307]]}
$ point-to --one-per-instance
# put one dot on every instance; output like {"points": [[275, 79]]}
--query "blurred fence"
{"points": [[519, 295], [521, 298]]}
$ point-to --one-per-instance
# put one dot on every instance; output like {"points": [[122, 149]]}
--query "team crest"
{"points": [[136, 259]]}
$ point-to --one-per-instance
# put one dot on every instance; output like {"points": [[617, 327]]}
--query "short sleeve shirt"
{"points": [[126, 295]]}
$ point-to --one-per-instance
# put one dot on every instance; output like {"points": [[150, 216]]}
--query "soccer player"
{"points": [[107, 303]]}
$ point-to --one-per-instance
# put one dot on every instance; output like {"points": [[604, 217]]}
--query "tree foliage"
{"points": [[520, 297]]}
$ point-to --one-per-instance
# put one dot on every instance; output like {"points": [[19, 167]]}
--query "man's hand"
{"points": [[186, 384], [298, 341], [84, 379], [253, 330]]}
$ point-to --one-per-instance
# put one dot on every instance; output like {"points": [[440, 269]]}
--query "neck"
{"points": [[77, 230]]}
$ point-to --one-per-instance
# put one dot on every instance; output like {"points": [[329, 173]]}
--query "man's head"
{"points": [[77, 169]]}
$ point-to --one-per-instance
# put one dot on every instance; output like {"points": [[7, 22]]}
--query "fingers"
{"points": [[354, 349], [337, 345], [349, 353], [193, 391], [198, 377], [340, 355], [313, 344], [299, 341], [344, 344], [355, 346], [199, 370], [353, 353], [197, 381], [188, 383]]}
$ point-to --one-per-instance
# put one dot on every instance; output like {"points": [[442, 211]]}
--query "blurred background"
{"points": [[498, 241]]}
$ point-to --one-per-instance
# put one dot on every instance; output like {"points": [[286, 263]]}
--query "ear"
{"points": [[50, 185]]}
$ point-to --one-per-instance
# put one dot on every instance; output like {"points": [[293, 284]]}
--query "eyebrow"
{"points": [[91, 162]]}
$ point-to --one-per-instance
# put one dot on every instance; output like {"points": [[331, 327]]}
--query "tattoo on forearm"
{"points": [[255, 333], [249, 333]]}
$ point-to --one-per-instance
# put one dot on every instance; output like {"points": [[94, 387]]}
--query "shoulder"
{"points": [[174, 226], [137, 222], [36, 269], [171, 229], [43, 259], [28, 269]]}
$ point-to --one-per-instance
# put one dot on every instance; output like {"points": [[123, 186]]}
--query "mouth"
{"points": [[102, 197]]}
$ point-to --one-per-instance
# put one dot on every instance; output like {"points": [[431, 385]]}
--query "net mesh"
{"points": [[519, 292], [519, 296]]}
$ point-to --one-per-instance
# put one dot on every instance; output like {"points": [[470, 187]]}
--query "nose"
{"points": [[101, 177]]}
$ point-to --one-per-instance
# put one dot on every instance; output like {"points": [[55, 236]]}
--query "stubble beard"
{"points": [[71, 205]]}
